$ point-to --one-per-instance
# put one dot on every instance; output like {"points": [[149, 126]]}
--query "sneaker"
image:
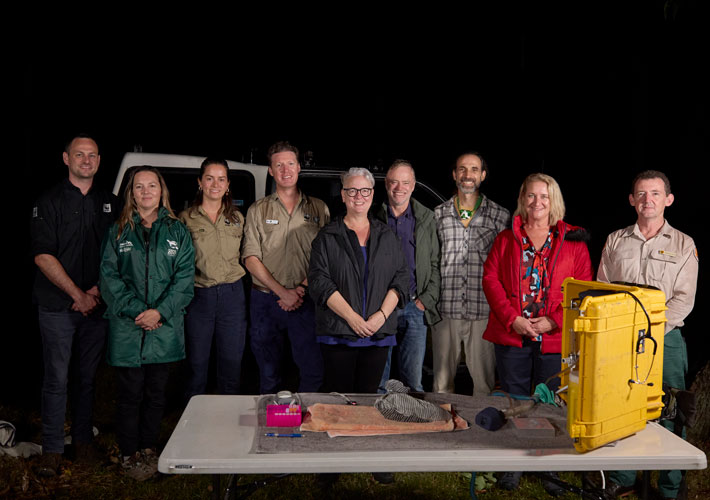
{"points": [[509, 480], [137, 468], [48, 464]]}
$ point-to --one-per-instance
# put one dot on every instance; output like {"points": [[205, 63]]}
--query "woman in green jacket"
{"points": [[147, 274]]}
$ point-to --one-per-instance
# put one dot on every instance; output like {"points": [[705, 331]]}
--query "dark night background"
{"points": [[590, 101]]}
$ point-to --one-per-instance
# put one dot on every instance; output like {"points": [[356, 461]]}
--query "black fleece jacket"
{"points": [[337, 264]]}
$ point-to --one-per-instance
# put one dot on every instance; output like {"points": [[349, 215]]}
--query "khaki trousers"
{"points": [[447, 338]]}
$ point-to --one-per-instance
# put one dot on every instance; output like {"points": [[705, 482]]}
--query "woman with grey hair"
{"points": [[358, 276]]}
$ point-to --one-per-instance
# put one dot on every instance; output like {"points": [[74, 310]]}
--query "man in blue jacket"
{"points": [[415, 226]]}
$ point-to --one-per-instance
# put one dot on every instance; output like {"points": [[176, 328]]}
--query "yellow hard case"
{"points": [[612, 390]]}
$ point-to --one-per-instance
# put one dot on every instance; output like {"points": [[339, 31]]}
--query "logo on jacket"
{"points": [[125, 246], [172, 248], [107, 208]]}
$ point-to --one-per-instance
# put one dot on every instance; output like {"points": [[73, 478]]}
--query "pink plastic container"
{"points": [[283, 415]]}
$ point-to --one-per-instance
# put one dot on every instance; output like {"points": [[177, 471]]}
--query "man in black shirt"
{"points": [[68, 223]]}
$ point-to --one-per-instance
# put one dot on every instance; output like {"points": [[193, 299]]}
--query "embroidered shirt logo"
{"points": [[272, 221], [308, 217], [107, 208], [125, 246]]}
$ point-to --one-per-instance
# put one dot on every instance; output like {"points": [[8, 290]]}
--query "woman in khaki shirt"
{"points": [[218, 309]]}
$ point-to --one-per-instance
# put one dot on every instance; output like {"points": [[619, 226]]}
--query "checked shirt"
{"points": [[463, 252]]}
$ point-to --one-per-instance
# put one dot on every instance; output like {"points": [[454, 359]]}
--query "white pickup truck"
{"points": [[249, 181]]}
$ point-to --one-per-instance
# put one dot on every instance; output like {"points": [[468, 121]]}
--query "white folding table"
{"points": [[215, 436]]}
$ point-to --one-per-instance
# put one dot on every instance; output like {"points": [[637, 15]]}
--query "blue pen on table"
{"points": [[277, 435]]}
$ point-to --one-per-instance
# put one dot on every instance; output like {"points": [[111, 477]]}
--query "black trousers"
{"points": [[353, 369], [141, 401]]}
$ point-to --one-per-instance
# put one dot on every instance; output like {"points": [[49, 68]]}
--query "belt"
{"points": [[260, 288]]}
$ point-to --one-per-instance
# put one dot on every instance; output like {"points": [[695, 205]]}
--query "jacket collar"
{"points": [[162, 214]]}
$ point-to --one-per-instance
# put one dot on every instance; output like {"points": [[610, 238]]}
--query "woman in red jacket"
{"points": [[522, 280]]}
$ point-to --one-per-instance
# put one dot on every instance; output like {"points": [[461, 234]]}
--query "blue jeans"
{"points": [[410, 348], [269, 325], [218, 313], [67, 335], [521, 369]]}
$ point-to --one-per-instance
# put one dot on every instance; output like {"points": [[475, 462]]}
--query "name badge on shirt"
{"points": [[272, 221], [107, 208]]}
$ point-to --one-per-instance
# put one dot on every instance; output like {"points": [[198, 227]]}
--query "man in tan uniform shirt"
{"points": [[277, 249], [652, 253]]}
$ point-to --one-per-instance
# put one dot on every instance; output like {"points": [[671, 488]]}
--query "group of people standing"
{"points": [[355, 295]]}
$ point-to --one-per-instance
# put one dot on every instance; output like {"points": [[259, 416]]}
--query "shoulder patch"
{"points": [[172, 248]]}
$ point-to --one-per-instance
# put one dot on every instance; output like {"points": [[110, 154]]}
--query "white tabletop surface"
{"points": [[215, 435]]}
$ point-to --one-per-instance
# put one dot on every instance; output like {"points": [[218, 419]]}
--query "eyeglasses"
{"points": [[364, 192]]}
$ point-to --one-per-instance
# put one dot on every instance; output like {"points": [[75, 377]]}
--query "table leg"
{"points": [[216, 486], [645, 484]]}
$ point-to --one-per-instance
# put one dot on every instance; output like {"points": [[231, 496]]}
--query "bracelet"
{"points": [[383, 313]]}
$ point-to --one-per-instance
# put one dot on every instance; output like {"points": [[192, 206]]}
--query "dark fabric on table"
{"points": [[465, 406]]}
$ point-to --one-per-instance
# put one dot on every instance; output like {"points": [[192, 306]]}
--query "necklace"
{"points": [[466, 213]]}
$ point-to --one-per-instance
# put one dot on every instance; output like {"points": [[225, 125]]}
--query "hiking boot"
{"points": [[137, 468], [615, 490], [48, 464], [551, 488], [383, 477], [150, 457], [509, 480]]}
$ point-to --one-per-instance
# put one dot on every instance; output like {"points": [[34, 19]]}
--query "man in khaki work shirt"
{"points": [[652, 253], [277, 249]]}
